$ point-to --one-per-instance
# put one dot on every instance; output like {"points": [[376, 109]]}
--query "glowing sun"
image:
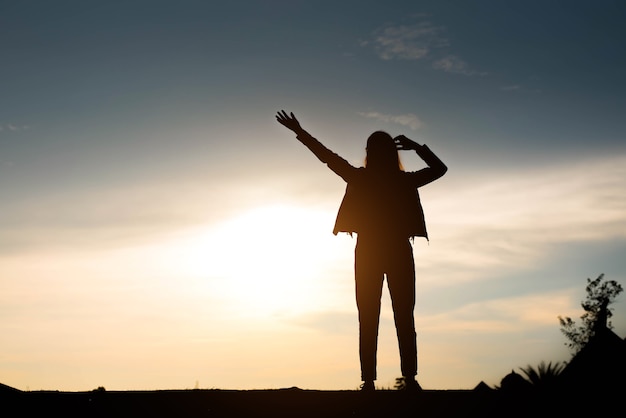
{"points": [[270, 259]]}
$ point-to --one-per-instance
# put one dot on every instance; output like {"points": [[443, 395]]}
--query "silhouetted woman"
{"points": [[382, 206]]}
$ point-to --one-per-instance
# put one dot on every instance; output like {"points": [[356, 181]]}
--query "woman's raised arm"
{"points": [[334, 161]]}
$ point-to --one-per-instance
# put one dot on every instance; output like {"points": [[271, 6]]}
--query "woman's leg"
{"points": [[401, 282], [369, 284]]}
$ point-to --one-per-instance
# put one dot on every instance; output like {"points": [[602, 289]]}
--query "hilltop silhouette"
{"points": [[482, 401]]}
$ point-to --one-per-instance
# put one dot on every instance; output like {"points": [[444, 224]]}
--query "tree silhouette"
{"points": [[600, 294]]}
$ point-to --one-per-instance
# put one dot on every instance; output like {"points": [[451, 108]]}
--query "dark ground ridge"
{"points": [[292, 402]]}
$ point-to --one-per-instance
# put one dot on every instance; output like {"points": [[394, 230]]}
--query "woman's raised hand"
{"points": [[289, 121], [404, 143]]}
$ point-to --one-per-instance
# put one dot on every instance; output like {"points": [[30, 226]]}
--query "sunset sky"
{"points": [[160, 230]]}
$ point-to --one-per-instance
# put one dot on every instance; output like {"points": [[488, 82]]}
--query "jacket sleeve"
{"points": [[436, 168], [337, 164]]}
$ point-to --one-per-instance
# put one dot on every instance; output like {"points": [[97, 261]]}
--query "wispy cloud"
{"points": [[12, 127], [455, 65], [409, 42], [419, 41], [407, 119], [511, 87], [515, 221], [506, 314], [519, 88], [101, 218]]}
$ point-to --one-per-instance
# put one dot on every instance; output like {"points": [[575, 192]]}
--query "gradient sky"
{"points": [[160, 230]]}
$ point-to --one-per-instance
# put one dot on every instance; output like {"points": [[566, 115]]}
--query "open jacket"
{"points": [[378, 204]]}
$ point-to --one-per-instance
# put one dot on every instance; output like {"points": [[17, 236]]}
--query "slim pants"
{"points": [[374, 260]]}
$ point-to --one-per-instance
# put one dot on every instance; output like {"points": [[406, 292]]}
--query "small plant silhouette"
{"points": [[400, 383], [545, 375]]}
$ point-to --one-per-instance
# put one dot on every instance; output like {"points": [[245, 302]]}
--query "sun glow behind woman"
{"points": [[258, 262]]}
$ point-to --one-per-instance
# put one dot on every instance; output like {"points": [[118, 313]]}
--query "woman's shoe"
{"points": [[368, 386]]}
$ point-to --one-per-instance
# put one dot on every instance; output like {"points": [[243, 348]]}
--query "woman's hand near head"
{"points": [[404, 143], [289, 121]]}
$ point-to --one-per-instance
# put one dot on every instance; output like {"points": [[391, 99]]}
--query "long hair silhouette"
{"points": [[381, 153]]}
